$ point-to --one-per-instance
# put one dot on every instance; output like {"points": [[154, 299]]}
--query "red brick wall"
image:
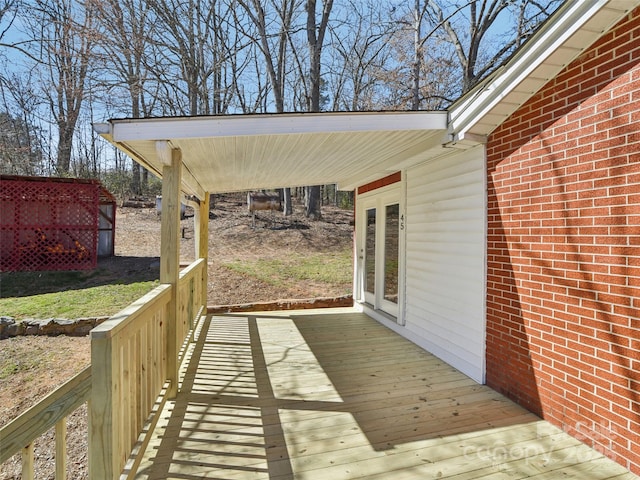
{"points": [[563, 295]]}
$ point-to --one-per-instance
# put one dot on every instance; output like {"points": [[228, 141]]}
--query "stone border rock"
{"points": [[81, 327], [331, 302], [52, 327]]}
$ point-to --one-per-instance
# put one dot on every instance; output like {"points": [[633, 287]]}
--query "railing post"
{"points": [[170, 251], [102, 431], [61, 449], [203, 246], [27, 462]]}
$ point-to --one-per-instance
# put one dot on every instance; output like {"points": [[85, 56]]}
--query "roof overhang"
{"points": [[563, 37], [250, 152]]}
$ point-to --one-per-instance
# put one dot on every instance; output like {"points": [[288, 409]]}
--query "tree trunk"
{"points": [[312, 202], [287, 206], [65, 143], [417, 53], [135, 178], [315, 39]]}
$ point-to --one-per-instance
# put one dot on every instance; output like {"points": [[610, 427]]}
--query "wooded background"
{"points": [[69, 63]]}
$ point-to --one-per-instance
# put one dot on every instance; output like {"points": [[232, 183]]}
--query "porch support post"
{"points": [[170, 251], [202, 244]]}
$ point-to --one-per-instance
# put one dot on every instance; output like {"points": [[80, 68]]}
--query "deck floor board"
{"points": [[335, 395]]}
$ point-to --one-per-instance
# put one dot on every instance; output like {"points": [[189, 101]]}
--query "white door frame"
{"points": [[380, 199]]}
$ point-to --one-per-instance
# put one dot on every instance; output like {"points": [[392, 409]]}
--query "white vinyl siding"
{"points": [[445, 275]]}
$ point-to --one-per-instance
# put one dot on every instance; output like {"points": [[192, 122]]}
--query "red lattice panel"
{"points": [[48, 224]]}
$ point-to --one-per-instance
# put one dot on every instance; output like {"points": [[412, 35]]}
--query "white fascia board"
{"points": [[275, 124], [102, 128], [562, 26]]}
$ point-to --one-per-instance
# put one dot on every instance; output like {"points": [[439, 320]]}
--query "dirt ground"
{"points": [[51, 361], [232, 236]]}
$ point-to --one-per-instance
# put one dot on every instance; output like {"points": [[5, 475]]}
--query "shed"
{"points": [[49, 223]]}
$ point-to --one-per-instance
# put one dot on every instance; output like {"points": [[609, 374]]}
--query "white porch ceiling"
{"points": [[251, 152]]}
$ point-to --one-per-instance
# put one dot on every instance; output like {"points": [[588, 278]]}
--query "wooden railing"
{"points": [[191, 297], [130, 377], [53, 410], [126, 383], [129, 371]]}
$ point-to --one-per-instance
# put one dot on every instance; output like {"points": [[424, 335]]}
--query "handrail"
{"points": [[129, 357], [192, 267], [51, 411], [122, 319], [125, 382]]}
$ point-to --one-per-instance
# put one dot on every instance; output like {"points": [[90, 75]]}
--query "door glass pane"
{"points": [[391, 233], [370, 252]]}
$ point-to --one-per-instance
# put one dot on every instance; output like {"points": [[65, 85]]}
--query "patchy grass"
{"points": [[115, 270], [103, 300], [12, 361], [19, 284], [333, 269], [103, 291]]}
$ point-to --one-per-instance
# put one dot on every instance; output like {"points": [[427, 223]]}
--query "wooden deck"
{"points": [[334, 395]]}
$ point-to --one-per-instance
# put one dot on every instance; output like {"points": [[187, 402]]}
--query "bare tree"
{"points": [[271, 29], [64, 33], [470, 33], [444, 48], [21, 138], [182, 57], [191, 54], [127, 30], [425, 77], [21, 142], [127, 35], [10, 13], [359, 56], [316, 31], [272, 25]]}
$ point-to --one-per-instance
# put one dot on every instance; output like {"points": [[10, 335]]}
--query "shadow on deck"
{"points": [[332, 394]]}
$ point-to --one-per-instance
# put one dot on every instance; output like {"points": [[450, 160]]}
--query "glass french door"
{"points": [[370, 256], [380, 253], [391, 254]]}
